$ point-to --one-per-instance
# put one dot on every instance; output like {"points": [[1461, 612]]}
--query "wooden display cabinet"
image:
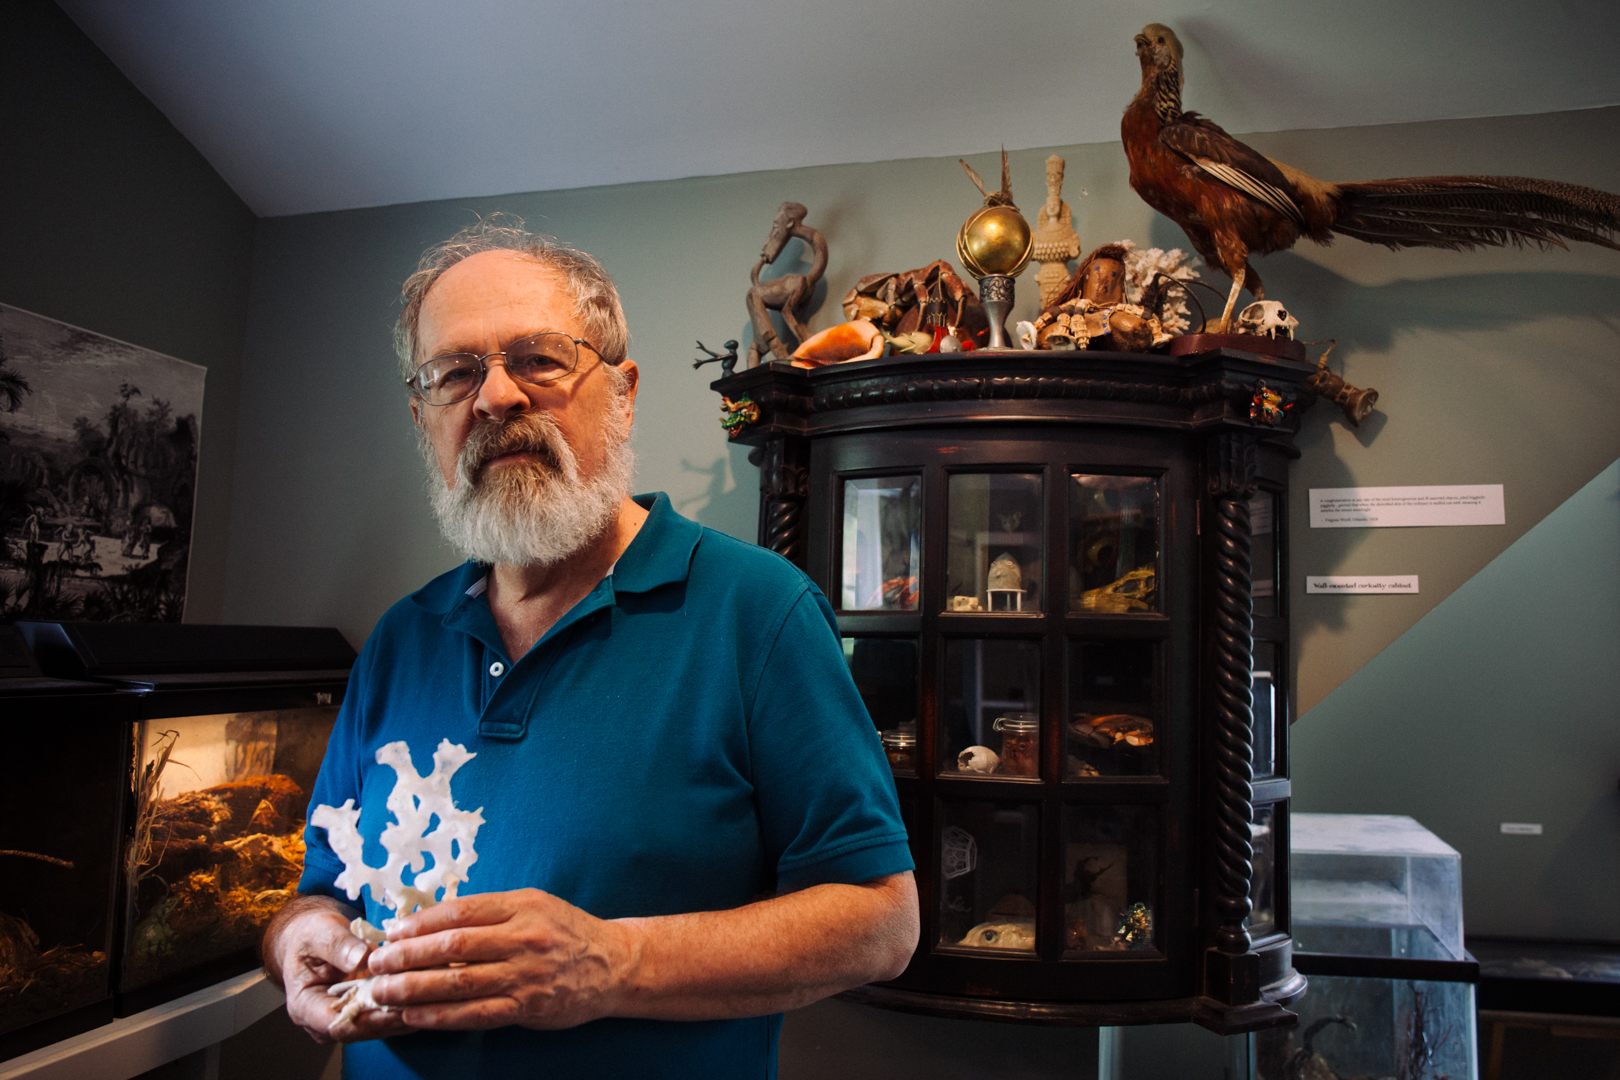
{"points": [[1058, 576]]}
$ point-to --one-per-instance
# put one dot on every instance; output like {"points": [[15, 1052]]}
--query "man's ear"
{"points": [[632, 375], [416, 412]]}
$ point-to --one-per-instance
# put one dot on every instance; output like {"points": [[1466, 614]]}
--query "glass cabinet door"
{"points": [[1111, 874], [988, 886], [1263, 552], [885, 673], [881, 551], [1114, 709], [990, 720], [1263, 888], [1263, 696], [1113, 544], [994, 552]]}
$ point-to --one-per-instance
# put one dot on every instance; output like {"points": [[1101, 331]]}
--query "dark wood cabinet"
{"points": [[1059, 579]]}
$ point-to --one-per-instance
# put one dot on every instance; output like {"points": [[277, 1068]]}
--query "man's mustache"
{"points": [[525, 433]]}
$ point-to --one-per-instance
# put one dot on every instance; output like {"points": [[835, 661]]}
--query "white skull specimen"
{"points": [[978, 759], [1267, 318]]}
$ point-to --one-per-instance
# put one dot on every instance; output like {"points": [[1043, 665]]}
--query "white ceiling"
{"points": [[312, 105]]}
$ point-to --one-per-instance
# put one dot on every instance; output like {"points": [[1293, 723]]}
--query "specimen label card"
{"points": [[1393, 583], [1404, 507]]}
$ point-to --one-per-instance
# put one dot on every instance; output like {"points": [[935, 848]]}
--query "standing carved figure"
{"points": [[1056, 242], [788, 294]]}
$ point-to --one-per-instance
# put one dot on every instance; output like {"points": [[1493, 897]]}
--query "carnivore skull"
{"points": [[1267, 318]]}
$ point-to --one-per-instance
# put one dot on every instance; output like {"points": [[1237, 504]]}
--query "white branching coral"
{"points": [[410, 839], [1142, 265]]}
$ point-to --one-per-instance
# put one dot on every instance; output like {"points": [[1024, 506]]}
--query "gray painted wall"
{"points": [[111, 221], [1501, 705], [1495, 367]]}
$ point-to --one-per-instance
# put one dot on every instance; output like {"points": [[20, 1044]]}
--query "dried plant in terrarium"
{"points": [[207, 867]]}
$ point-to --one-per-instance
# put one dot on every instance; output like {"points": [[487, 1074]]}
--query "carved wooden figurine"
{"points": [[788, 294]]}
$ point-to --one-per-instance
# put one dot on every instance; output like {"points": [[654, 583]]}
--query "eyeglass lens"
{"points": [[538, 358]]}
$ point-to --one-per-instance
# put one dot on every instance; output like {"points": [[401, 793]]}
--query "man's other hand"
{"points": [[484, 961]]}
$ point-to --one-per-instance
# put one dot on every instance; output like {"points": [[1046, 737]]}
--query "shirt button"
{"points": [[497, 669]]}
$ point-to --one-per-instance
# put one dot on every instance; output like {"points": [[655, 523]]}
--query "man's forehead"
{"points": [[492, 289], [491, 268]]}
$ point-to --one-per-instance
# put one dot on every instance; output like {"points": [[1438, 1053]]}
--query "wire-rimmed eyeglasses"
{"points": [[535, 359]]}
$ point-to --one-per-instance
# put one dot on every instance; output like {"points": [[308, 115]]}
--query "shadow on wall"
{"points": [[1370, 323]]}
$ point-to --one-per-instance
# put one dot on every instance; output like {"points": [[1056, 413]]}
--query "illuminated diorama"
{"points": [[225, 729]]}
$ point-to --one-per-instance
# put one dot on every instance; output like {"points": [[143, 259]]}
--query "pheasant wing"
{"points": [[1207, 145]]}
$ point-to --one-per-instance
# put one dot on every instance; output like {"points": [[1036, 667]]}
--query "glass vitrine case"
{"points": [[1378, 927], [226, 735], [60, 849], [1059, 581]]}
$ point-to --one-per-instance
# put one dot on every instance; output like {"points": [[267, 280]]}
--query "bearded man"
{"points": [[689, 824]]}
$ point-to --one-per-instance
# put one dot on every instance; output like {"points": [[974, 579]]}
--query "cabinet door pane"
{"points": [[1263, 889], [1263, 690], [987, 869], [1111, 871], [1113, 709], [989, 725], [882, 546], [885, 673], [995, 542], [1113, 544], [1263, 551]]}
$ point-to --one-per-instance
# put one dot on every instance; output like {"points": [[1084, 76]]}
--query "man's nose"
{"points": [[499, 393]]}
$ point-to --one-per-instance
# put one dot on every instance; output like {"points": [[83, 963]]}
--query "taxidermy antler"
{"points": [[1233, 201]]}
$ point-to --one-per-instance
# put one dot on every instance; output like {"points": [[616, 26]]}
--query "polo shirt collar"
{"points": [[660, 554]]}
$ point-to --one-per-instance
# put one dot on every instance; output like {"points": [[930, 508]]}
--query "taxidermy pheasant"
{"points": [[1233, 201]]}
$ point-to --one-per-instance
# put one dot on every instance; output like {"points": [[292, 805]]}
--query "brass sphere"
{"points": [[995, 240]]}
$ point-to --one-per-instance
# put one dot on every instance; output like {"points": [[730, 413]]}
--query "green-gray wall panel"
{"points": [[1501, 705], [1495, 367], [111, 221]]}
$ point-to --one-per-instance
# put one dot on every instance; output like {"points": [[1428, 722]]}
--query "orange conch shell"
{"points": [[858, 339]]}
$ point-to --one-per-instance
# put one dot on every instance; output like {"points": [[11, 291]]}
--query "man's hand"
{"points": [[485, 961], [307, 948]]}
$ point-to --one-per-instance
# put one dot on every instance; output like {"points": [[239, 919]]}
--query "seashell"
{"points": [[857, 339]]}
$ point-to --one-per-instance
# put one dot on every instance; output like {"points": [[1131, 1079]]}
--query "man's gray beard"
{"points": [[532, 512]]}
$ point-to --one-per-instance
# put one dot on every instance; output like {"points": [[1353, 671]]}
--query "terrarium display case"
{"points": [[1378, 928], [60, 848], [1058, 577], [229, 730]]}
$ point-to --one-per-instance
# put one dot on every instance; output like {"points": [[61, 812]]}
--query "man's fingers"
{"points": [[483, 909], [459, 945], [444, 984], [368, 1024], [463, 1015]]}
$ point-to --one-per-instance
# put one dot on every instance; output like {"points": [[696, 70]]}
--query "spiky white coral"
{"points": [[1143, 264], [414, 802]]}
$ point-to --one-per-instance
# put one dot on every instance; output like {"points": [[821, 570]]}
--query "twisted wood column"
{"points": [[1231, 483], [784, 486]]}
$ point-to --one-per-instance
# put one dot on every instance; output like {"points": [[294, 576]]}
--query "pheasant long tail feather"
{"points": [[1464, 212]]}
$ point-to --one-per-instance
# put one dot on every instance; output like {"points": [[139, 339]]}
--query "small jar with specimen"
{"points": [[1020, 744], [900, 747]]}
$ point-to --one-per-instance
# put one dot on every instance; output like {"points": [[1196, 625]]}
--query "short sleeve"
{"points": [[827, 803], [338, 779]]}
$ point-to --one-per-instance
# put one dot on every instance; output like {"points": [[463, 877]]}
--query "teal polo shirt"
{"points": [[686, 738]]}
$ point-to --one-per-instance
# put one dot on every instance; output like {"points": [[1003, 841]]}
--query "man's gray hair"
{"points": [[596, 299]]}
